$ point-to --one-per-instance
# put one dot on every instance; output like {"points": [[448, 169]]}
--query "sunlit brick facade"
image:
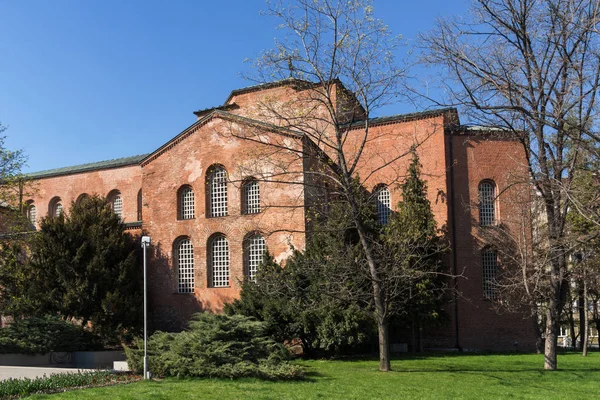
{"points": [[209, 214]]}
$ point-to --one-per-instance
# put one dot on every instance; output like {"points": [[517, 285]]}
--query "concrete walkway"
{"points": [[34, 372]]}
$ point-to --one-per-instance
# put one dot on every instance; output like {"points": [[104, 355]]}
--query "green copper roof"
{"points": [[108, 164]]}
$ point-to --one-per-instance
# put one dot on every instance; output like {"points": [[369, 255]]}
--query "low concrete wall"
{"points": [[77, 359], [24, 360], [97, 359]]}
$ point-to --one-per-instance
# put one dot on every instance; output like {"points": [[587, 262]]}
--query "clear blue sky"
{"points": [[84, 81]]}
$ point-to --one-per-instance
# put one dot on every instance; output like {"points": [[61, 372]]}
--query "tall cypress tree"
{"points": [[413, 253]]}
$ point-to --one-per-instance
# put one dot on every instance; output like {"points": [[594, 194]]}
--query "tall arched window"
{"points": [[219, 261], [489, 262], [384, 203], [186, 202], [82, 197], [55, 207], [139, 205], [31, 213], [487, 203], [184, 258], [254, 251], [250, 197], [217, 191], [116, 202]]}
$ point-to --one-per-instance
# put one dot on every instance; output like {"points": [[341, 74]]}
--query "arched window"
{"points": [[184, 259], [116, 202], [254, 251], [384, 203], [219, 261], [139, 205], [55, 207], [217, 191], [250, 197], [487, 203], [186, 202], [489, 262], [82, 197], [31, 213]]}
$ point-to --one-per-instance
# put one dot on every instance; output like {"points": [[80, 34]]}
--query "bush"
{"points": [[42, 335], [294, 304], [217, 346], [12, 388]]}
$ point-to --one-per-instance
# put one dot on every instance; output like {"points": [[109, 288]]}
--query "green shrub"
{"points": [[42, 335], [219, 346], [16, 388], [294, 304]]}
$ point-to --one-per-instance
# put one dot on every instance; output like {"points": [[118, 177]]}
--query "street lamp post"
{"points": [[145, 244]]}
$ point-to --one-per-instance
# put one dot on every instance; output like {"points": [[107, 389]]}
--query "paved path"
{"points": [[33, 372]]}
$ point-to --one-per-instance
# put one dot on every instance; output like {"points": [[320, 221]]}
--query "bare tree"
{"points": [[531, 68], [341, 60]]}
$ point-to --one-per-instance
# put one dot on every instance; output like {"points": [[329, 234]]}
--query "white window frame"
{"points": [[218, 192], [219, 261], [251, 197], [116, 202], [186, 202], [185, 266], [255, 248], [384, 204], [489, 271], [58, 208], [32, 214], [487, 203]]}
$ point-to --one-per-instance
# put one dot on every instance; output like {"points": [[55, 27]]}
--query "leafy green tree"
{"points": [[413, 252], [295, 304], [82, 265]]}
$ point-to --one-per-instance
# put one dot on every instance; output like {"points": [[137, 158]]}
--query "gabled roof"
{"points": [[225, 107], [217, 114], [95, 166], [299, 83]]}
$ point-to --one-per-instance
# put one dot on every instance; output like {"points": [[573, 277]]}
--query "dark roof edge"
{"points": [[268, 85], [95, 166], [479, 130], [407, 117], [133, 225]]}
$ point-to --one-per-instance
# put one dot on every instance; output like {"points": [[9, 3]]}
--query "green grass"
{"points": [[435, 376]]}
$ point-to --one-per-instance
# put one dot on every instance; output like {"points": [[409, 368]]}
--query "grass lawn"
{"points": [[435, 376]]}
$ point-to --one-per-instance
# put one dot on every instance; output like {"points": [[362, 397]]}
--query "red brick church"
{"points": [[209, 200]]}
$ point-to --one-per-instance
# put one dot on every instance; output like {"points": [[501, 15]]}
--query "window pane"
{"points": [[32, 215], [220, 262], [383, 205], [255, 251], [490, 272], [58, 209], [218, 192], [487, 198], [251, 198], [187, 203], [185, 266], [117, 205]]}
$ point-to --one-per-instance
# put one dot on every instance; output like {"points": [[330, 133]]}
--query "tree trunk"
{"points": [[384, 345], [572, 328], [581, 309], [539, 343], [584, 334], [550, 362], [378, 298]]}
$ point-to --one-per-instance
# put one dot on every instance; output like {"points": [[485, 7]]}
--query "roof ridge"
{"points": [[97, 165]]}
